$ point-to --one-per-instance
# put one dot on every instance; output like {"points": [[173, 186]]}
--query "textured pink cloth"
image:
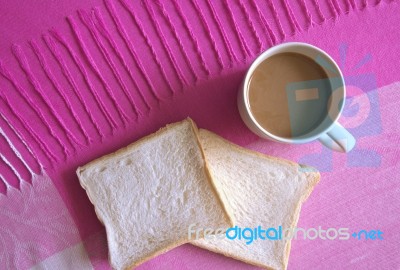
{"points": [[77, 87]]}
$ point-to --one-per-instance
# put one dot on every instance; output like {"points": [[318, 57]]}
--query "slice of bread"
{"points": [[261, 191], [148, 194]]}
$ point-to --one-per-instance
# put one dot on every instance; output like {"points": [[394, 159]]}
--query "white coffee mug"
{"points": [[328, 131]]}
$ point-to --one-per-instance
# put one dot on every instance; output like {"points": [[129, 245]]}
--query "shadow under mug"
{"points": [[326, 104]]}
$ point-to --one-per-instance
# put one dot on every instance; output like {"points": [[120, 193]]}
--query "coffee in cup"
{"points": [[294, 93]]}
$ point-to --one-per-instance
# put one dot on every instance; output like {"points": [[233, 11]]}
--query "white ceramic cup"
{"points": [[328, 131]]}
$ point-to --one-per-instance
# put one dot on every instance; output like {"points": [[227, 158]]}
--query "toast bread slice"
{"points": [[260, 191], [148, 193]]}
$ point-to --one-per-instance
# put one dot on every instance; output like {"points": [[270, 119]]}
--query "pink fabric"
{"points": [[34, 224], [100, 79]]}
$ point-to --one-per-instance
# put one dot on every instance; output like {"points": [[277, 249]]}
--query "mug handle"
{"points": [[338, 139]]}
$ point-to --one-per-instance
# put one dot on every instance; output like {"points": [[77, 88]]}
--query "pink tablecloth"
{"points": [[81, 79]]}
